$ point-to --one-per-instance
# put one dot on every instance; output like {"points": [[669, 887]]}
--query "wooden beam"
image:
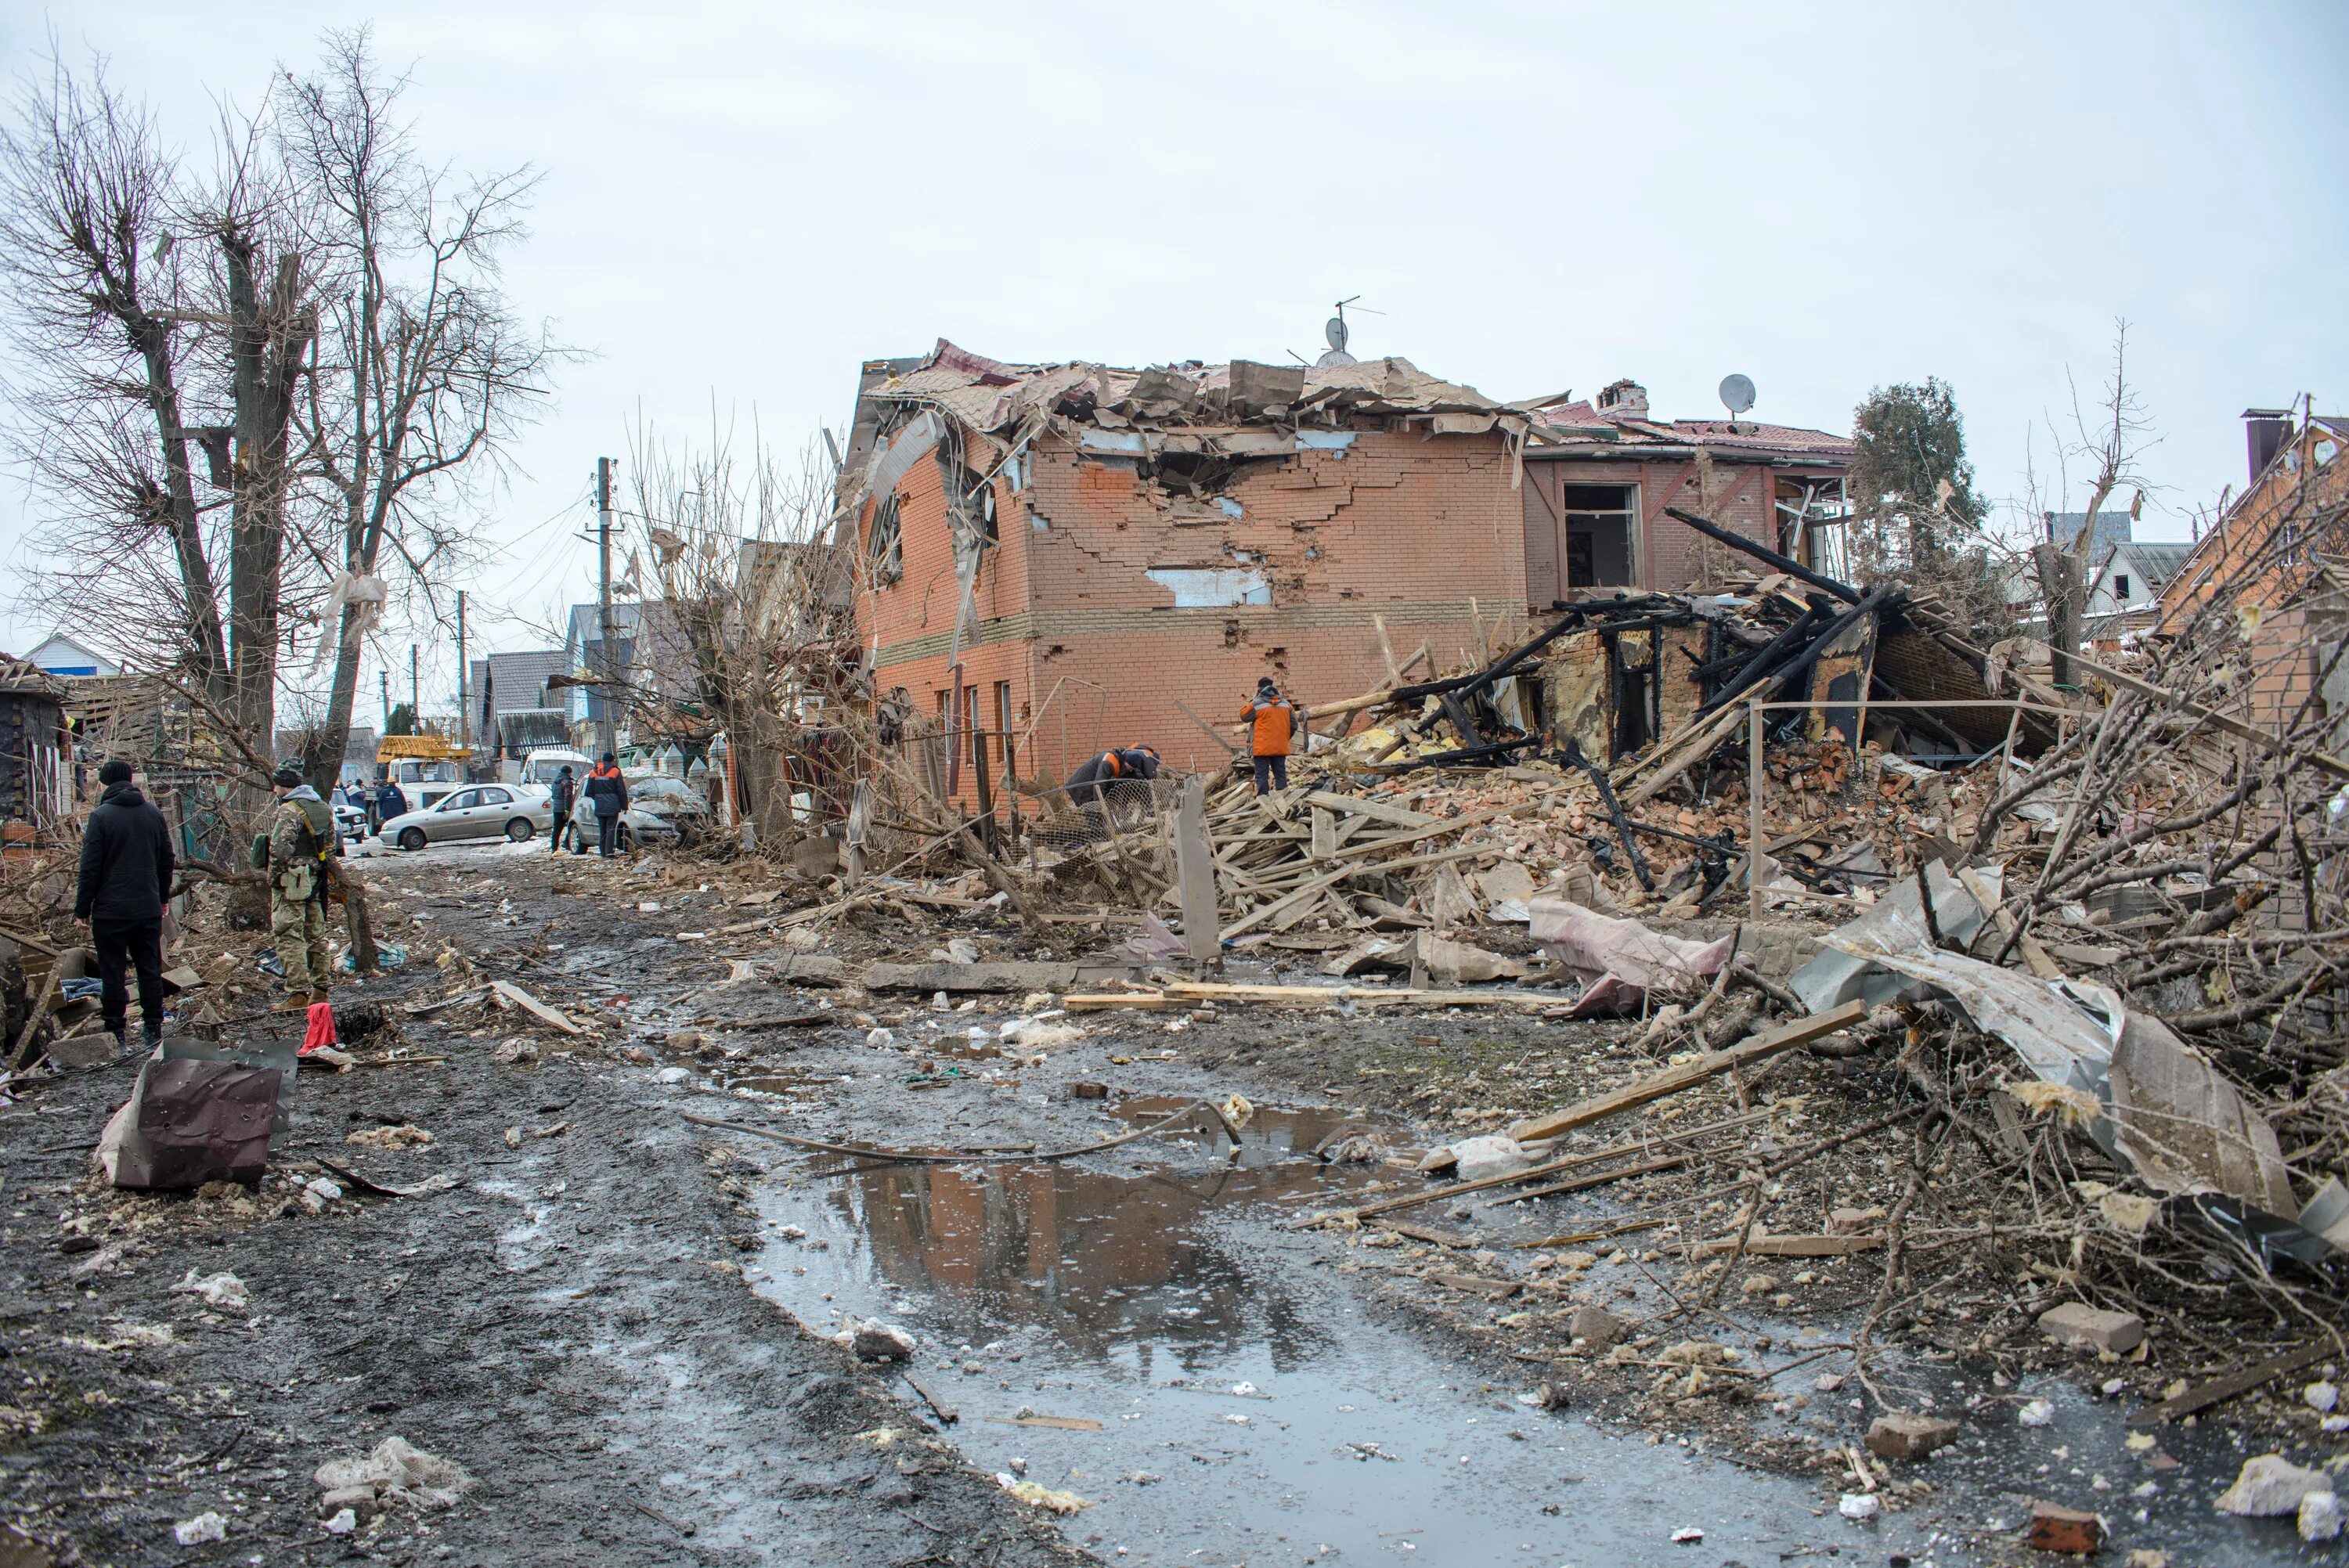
{"points": [[1377, 810], [1689, 1074]]}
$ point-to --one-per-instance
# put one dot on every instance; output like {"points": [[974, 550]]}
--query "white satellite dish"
{"points": [[1736, 394], [1336, 333]]}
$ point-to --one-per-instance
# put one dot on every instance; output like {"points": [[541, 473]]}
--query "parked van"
{"points": [[545, 763]]}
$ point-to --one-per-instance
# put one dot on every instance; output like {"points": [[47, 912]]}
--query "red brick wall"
{"points": [[1401, 525], [1738, 495]]}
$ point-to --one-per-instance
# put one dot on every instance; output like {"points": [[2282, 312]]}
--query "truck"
{"points": [[427, 768]]}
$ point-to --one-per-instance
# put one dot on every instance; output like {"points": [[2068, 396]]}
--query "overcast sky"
{"points": [[742, 202]]}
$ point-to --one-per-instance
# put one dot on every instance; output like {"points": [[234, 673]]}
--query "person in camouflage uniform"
{"points": [[301, 837]]}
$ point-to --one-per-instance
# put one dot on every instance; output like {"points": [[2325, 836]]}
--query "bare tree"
{"points": [[155, 314], [424, 372], [97, 314], [2107, 453], [741, 553]]}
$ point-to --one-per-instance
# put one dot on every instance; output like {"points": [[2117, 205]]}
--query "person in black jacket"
{"points": [[126, 875], [560, 794]]}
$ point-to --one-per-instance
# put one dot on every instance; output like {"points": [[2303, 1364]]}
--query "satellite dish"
{"points": [[1336, 333], [1736, 394]]}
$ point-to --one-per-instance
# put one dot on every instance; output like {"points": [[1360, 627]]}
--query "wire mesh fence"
{"points": [[1068, 819]]}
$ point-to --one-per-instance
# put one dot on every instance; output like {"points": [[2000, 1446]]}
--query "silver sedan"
{"points": [[517, 811]]}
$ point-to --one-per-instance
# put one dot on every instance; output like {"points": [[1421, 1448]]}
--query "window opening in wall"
{"points": [[2121, 586], [1598, 521], [970, 498], [971, 723], [1003, 725], [1812, 513], [1636, 661], [886, 547]]}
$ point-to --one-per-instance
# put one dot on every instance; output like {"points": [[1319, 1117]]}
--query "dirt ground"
{"points": [[569, 1320], [567, 1323]]}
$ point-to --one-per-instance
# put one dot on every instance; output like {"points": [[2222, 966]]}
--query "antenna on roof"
{"points": [[1336, 332], [1736, 394]]}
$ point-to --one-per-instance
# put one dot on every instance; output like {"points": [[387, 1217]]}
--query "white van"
{"points": [[545, 764]]}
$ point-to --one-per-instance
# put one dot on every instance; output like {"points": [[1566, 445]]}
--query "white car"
{"points": [[516, 811]]}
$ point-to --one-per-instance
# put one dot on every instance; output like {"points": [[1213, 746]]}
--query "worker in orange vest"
{"points": [[1272, 722]]}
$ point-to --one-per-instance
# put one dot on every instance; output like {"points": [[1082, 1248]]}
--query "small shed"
{"points": [[36, 753]]}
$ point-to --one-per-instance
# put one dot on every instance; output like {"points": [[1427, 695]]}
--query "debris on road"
{"points": [[396, 1470]]}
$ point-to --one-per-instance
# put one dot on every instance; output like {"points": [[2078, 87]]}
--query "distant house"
{"points": [[2125, 573], [62, 656], [36, 753], [649, 652], [511, 683]]}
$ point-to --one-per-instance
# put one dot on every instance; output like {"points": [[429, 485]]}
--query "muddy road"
{"points": [[616, 1317]]}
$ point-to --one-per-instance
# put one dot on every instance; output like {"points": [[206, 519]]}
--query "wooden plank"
{"points": [[1689, 1074], [946, 1414], [1139, 1000], [1194, 874], [1599, 1179], [1330, 995], [1360, 805], [1548, 1168], [1790, 1246], [2204, 1395], [1325, 834], [534, 1008]]}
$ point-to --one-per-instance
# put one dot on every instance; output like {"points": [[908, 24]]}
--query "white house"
{"points": [[61, 655]]}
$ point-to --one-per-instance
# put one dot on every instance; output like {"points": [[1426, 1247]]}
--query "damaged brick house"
{"points": [[1600, 473], [1083, 556], [2278, 550]]}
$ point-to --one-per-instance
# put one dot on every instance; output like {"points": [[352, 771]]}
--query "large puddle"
{"points": [[1137, 1330]]}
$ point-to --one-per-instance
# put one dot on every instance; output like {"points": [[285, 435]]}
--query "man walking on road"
{"points": [[1271, 724], [609, 792], [301, 838], [125, 876], [562, 794]]}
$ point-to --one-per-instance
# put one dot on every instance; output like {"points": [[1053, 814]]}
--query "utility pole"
{"points": [[465, 677], [606, 732], [415, 711], [383, 683]]}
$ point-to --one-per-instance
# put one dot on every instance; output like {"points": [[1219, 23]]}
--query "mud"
{"points": [[568, 1323], [599, 1322]]}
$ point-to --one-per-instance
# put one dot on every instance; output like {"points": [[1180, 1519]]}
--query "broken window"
{"points": [[1811, 516], [2121, 586], [970, 499], [1598, 521], [885, 545]]}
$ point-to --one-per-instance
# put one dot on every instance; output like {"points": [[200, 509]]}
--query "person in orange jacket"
{"points": [[1272, 722]]}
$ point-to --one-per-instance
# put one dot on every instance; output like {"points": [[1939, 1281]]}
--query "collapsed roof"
{"points": [[1239, 410]]}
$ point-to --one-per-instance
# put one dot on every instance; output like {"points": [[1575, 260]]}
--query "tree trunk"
{"points": [[179, 500], [351, 894], [268, 339]]}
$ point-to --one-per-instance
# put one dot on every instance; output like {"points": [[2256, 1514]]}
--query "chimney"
{"points": [[2266, 430], [1626, 399]]}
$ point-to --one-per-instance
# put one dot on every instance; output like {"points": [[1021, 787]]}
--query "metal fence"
{"points": [[1064, 820]]}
